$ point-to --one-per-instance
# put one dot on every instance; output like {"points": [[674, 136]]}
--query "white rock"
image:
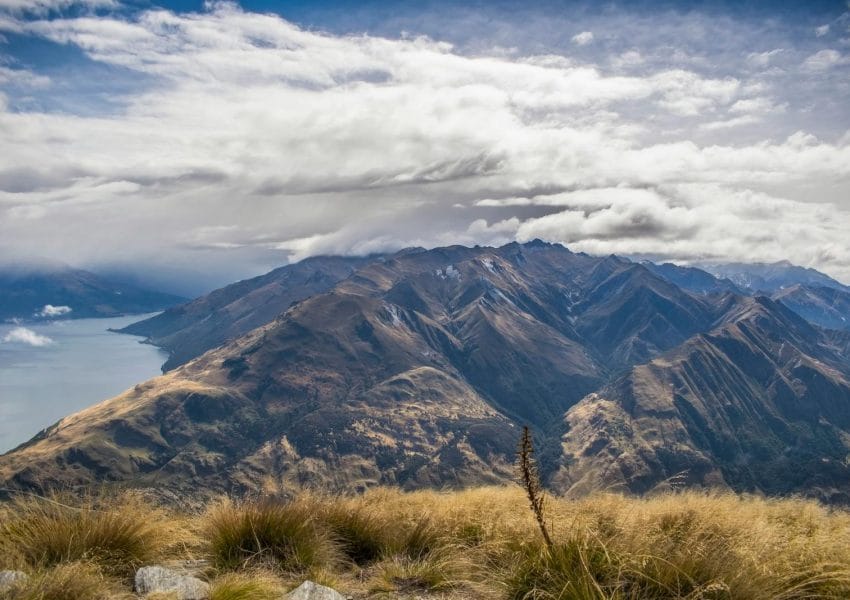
{"points": [[8, 579], [452, 272], [160, 579], [313, 591]]}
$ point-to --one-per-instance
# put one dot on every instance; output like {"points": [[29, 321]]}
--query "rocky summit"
{"points": [[418, 369]]}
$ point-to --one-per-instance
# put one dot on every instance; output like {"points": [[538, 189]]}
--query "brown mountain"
{"points": [[418, 368], [188, 330], [760, 403]]}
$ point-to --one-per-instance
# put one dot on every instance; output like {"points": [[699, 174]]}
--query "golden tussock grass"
{"points": [[67, 581], [287, 536], [483, 542], [247, 586], [117, 533]]}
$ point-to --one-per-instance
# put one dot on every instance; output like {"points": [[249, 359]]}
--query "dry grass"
{"points": [[116, 533], [360, 531], [482, 542], [247, 586], [268, 532], [67, 581]]}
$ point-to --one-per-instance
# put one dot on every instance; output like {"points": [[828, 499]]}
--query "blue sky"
{"points": [[225, 138]]}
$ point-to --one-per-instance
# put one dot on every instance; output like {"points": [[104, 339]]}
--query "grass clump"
{"points": [[68, 581], [362, 534], [246, 586], [418, 538], [117, 534], [267, 532], [437, 571], [579, 568]]}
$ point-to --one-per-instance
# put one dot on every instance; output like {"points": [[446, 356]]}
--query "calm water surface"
{"points": [[79, 364]]}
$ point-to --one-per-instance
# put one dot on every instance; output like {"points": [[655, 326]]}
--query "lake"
{"points": [[50, 370]]}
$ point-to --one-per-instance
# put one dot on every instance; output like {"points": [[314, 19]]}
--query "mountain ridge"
{"points": [[785, 404], [418, 369], [188, 330]]}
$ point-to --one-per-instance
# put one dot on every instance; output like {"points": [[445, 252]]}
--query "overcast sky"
{"points": [[222, 139]]}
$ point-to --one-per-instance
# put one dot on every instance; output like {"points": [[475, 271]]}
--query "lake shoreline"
{"points": [[51, 369]]}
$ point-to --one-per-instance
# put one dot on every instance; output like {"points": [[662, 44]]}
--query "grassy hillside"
{"points": [[482, 542]]}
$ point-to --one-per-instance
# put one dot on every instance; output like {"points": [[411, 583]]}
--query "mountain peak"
{"points": [[538, 243]]}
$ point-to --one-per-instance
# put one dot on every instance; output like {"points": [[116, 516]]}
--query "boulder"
{"points": [[9, 579], [159, 579], [313, 591]]}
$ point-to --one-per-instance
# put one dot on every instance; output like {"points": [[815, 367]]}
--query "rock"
{"points": [[160, 579], [313, 591], [9, 579]]}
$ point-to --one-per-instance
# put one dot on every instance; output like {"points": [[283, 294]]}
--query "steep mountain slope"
{"points": [[760, 403], [189, 330], [25, 291], [631, 315], [814, 296], [824, 306], [692, 278], [415, 370], [337, 392]]}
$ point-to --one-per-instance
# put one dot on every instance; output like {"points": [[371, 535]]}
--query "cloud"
{"points": [[822, 30], [249, 141], [50, 311], [759, 105], [694, 222], [762, 59], [687, 94], [41, 7], [583, 38], [22, 335], [729, 123], [23, 78], [825, 59], [629, 58]]}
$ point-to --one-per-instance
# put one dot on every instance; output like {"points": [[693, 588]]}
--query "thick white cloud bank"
{"points": [[254, 136]]}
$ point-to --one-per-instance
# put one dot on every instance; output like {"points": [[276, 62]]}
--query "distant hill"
{"points": [[692, 279], [418, 369], [814, 296], [54, 290], [825, 306], [188, 330], [769, 278]]}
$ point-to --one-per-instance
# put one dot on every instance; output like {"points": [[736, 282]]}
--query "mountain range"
{"points": [[770, 278], [419, 369], [46, 289]]}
